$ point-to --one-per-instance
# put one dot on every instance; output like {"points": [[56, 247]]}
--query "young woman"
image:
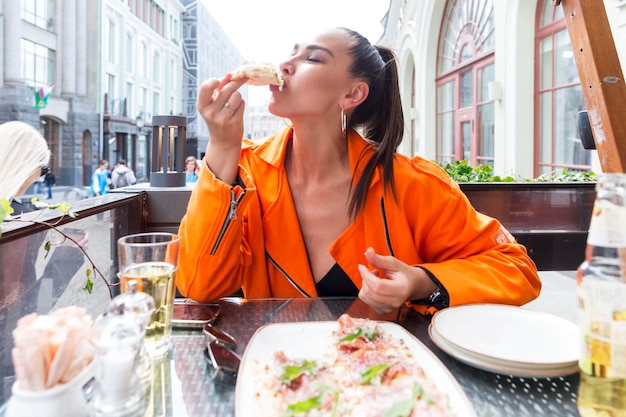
{"points": [[191, 168], [320, 209]]}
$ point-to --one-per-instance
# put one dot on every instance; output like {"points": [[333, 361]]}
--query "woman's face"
{"points": [[191, 166], [316, 77]]}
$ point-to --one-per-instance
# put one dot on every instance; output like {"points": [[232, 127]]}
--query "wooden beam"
{"points": [[601, 78]]}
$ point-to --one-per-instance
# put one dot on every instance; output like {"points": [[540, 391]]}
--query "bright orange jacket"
{"points": [[248, 236]]}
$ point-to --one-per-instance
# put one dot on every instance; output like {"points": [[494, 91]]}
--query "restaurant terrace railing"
{"points": [[550, 218]]}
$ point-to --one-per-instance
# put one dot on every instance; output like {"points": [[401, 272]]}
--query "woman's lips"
{"points": [[275, 88]]}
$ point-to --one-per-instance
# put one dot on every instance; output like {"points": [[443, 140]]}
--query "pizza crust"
{"points": [[263, 73]]}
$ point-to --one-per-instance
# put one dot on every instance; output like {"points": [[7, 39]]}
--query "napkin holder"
{"points": [[69, 399]]}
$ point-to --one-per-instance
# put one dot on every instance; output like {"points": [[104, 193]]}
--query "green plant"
{"points": [[566, 176], [461, 171], [5, 216]]}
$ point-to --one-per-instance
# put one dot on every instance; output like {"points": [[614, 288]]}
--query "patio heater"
{"points": [[169, 134]]}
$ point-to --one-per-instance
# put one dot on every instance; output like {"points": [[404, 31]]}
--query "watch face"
{"points": [[434, 296]]}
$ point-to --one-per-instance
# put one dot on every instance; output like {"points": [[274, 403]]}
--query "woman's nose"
{"points": [[286, 68]]}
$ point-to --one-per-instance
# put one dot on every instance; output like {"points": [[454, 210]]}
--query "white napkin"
{"points": [[52, 349]]}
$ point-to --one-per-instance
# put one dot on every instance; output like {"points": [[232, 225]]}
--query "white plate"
{"points": [[308, 340], [485, 364], [510, 336]]}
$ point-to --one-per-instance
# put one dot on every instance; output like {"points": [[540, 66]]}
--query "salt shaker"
{"points": [[118, 336]]}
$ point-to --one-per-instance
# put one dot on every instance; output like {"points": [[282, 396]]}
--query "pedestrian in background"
{"points": [[50, 180], [100, 179], [39, 184], [191, 169], [122, 175]]}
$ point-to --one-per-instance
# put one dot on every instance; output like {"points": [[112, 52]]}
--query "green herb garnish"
{"points": [[312, 403], [352, 336], [370, 334], [291, 372], [372, 372]]}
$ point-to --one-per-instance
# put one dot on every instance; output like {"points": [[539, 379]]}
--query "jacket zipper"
{"points": [[386, 226], [231, 215], [291, 281]]}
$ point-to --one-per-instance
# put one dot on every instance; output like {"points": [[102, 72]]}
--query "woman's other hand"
{"points": [[400, 282], [222, 107]]}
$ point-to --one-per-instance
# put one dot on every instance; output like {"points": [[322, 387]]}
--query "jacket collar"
{"points": [[274, 148]]}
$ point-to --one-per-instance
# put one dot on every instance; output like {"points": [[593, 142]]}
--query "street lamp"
{"points": [[168, 151], [139, 122]]}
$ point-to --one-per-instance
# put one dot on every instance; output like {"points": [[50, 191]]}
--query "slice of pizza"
{"points": [[364, 371], [263, 73], [379, 373]]}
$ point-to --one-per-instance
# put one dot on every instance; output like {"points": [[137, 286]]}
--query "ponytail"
{"points": [[380, 116]]}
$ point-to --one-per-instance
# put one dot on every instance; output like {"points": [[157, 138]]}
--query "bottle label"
{"points": [[608, 225], [603, 327]]}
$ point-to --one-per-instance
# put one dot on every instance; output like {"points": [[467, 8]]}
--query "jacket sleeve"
{"points": [[213, 252], [114, 177], [472, 256]]}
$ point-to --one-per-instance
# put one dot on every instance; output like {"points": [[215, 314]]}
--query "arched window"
{"points": [[558, 96], [465, 67]]}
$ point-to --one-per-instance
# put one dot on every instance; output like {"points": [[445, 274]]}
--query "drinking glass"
{"points": [[151, 260]]}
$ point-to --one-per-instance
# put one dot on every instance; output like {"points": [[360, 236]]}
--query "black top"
{"points": [[336, 283]]}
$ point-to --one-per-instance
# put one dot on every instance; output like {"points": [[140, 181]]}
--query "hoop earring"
{"points": [[344, 122]]}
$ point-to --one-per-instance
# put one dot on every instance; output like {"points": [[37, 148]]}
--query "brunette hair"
{"points": [[380, 116]]}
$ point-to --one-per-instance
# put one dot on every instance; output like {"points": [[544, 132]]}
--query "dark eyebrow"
{"points": [[313, 47]]}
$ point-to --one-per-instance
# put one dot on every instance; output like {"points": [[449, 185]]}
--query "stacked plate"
{"points": [[508, 340]]}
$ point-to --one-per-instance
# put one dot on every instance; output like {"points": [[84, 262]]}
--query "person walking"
{"points": [[50, 181], [100, 179], [39, 184], [122, 175]]}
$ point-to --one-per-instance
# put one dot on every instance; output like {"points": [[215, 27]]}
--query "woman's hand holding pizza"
{"points": [[401, 282], [222, 107]]}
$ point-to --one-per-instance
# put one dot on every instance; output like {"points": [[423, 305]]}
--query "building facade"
{"points": [[137, 56], [44, 78], [493, 82], [263, 123], [208, 53], [92, 74], [489, 81]]}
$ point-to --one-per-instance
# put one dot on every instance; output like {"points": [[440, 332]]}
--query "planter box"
{"points": [[550, 219]]}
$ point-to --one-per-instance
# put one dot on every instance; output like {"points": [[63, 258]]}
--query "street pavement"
{"points": [[60, 193]]}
